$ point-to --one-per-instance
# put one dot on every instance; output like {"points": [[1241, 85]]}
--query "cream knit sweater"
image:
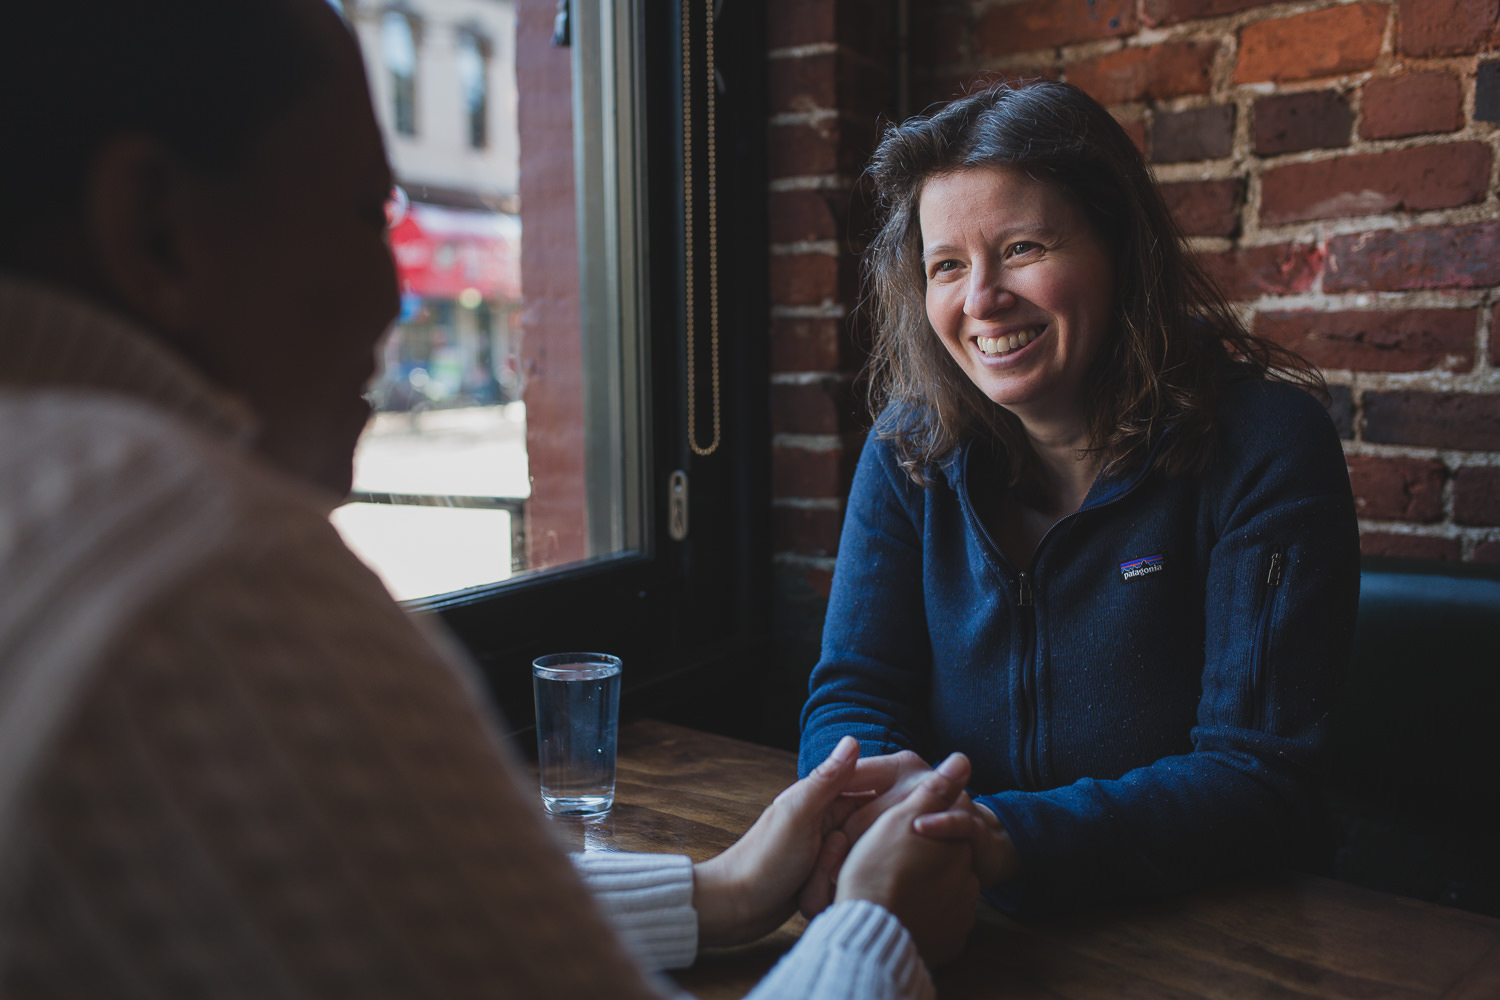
{"points": [[232, 766]]}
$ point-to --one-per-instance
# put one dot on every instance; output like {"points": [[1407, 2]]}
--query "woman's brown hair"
{"points": [[1172, 337]]}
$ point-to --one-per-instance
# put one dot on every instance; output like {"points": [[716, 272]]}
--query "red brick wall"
{"points": [[830, 78], [1334, 163]]}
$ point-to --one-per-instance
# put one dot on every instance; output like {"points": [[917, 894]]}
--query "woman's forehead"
{"points": [[988, 196]]}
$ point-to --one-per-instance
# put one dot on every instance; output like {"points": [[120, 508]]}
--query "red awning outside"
{"points": [[440, 252]]}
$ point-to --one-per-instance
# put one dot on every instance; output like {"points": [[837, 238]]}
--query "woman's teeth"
{"points": [[996, 346]]}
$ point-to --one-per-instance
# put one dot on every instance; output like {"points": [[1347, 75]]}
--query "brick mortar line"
{"points": [[1475, 533], [1470, 533], [803, 51], [1320, 231], [798, 559], [1480, 382], [817, 116], [1439, 380], [818, 378], [807, 503], [813, 50], [1209, 244], [827, 248], [1431, 529], [1451, 459], [812, 117], [820, 443], [811, 182], [831, 310], [1457, 299], [1195, 170], [1243, 158], [1484, 335]]}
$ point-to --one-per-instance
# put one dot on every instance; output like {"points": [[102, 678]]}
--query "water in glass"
{"points": [[577, 730]]}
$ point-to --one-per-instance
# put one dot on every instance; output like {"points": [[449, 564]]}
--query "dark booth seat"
{"points": [[1414, 763]]}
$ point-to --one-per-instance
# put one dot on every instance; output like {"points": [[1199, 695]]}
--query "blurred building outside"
{"points": [[442, 467]]}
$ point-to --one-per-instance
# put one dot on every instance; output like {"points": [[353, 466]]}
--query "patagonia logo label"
{"points": [[1142, 567]]}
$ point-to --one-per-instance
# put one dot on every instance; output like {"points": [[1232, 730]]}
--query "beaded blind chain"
{"points": [[688, 220]]}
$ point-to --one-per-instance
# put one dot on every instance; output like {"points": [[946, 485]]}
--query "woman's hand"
{"points": [[752, 888], [894, 776], [927, 882]]}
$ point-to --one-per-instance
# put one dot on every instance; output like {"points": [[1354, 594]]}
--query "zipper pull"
{"points": [[1273, 578], [1023, 590]]}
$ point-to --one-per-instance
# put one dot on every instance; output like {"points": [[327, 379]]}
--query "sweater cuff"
{"points": [[855, 949], [648, 899]]}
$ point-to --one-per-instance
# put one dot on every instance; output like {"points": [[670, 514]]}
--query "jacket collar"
{"points": [[51, 338], [1105, 489]]}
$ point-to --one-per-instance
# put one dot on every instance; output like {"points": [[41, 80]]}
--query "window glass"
{"points": [[399, 53], [473, 76], [506, 435]]}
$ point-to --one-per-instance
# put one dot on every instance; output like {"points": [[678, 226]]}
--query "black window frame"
{"points": [[692, 618]]}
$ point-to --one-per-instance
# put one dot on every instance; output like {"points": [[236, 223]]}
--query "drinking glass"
{"points": [[577, 731]]}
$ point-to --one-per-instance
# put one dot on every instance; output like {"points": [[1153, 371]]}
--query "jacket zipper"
{"points": [[1029, 708], [1260, 667], [1025, 599]]}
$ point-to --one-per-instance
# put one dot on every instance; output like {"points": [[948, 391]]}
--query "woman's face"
{"points": [[1019, 290]]}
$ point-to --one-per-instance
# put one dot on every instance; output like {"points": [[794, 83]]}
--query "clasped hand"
{"points": [[885, 829]]}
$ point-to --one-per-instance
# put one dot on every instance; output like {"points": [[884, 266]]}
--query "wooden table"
{"points": [[693, 793]]}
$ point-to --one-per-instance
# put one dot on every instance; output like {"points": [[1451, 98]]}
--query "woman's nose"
{"points": [[986, 296]]}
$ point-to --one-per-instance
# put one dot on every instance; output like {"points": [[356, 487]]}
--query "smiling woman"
{"points": [[1096, 541]]}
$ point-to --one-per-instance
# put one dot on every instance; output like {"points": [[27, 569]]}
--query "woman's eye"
{"points": [[944, 266], [1022, 247]]}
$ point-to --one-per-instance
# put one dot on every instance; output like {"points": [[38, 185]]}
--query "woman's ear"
{"points": [[136, 206]]}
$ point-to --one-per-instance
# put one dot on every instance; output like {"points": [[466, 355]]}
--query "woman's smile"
{"points": [[1003, 344]]}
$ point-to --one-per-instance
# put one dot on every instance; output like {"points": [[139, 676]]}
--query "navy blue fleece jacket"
{"points": [[1145, 706]]}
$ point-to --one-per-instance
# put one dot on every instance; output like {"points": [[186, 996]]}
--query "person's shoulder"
{"points": [[76, 443], [1274, 437], [896, 435], [1276, 413], [91, 458]]}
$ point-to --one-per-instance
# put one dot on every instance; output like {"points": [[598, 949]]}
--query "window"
{"points": [[473, 78], [399, 49], [516, 475]]}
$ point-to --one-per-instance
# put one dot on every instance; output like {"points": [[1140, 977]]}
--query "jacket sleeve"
{"points": [[1281, 594], [871, 681]]}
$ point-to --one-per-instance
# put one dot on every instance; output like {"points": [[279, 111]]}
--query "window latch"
{"points": [[677, 506]]}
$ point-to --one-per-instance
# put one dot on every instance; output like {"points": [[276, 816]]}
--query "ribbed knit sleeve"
{"points": [[649, 900], [855, 950]]}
